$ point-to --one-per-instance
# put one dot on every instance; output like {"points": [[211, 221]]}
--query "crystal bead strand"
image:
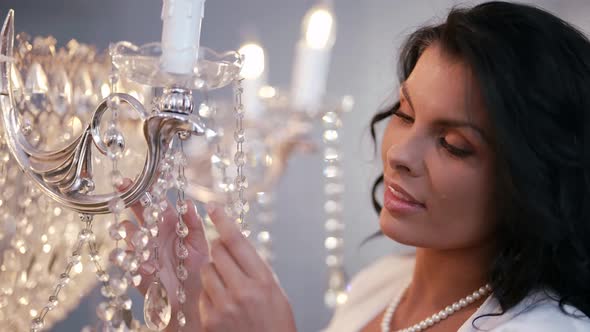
{"points": [[219, 159], [118, 303], [336, 293], [264, 219], [241, 206], [83, 236], [156, 308], [181, 231], [111, 313]]}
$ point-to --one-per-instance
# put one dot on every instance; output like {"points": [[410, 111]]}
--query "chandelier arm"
{"points": [[65, 175]]}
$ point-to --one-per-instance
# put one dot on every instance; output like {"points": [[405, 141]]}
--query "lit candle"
{"points": [[254, 74], [312, 60], [181, 33]]}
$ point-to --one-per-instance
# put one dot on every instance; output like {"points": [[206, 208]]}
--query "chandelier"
{"points": [[76, 122]]}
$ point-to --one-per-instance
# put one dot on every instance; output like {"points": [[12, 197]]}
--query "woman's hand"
{"points": [[240, 291], [167, 240]]}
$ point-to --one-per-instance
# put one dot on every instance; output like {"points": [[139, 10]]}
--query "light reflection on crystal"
{"points": [[330, 135], [333, 225], [332, 243], [181, 251], [157, 311], [331, 154], [332, 172]]}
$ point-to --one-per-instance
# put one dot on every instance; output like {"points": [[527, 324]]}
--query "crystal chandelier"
{"points": [[65, 169], [65, 112]]}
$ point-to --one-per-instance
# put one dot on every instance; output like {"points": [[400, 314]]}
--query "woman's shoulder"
{"points": [[538, 312], [370, 290]]}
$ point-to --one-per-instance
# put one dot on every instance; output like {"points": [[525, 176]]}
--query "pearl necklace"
{"points": [[437, 317]]}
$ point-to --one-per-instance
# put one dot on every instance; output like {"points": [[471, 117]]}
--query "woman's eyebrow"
{"points": [[407, 95], [447, 122]]}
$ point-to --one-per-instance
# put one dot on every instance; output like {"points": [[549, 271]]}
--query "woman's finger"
{"points": [[228, 269], [213, 285], [130, 230], [146, 270], [209, 317], [240, 249], [205, 303], [138, 209], [194, 223]]}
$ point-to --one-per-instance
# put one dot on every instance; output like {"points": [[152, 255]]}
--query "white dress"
{"points": [[372, 289]]}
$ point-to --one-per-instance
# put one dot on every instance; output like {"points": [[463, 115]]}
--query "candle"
{"points": [[181, 33], [254, 74], [312, 59]]}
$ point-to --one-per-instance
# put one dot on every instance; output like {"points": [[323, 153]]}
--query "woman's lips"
{"points": [[397, 201]]}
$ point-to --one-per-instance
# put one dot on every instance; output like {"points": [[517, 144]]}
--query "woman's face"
{"points": [[437, 159]]}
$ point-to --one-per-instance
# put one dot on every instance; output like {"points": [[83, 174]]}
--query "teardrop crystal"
{"points": [[60, 91], [157, 311], [37, 87]]}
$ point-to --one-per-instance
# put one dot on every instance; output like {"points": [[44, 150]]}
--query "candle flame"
{"points": [[253, 66], [318, 33]]}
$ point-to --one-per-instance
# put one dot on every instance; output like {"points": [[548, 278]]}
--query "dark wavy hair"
{"points": [[534, 72]]}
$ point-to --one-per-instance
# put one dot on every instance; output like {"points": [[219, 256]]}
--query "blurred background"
{"points": [[363, 65]]}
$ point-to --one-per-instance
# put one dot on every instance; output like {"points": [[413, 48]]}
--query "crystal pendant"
{"points": [[37, 324], [181, 318], [37, 88], [181, 251], [105, 311], [115, 143], [181, 294], [60, 90], [181, 272], [157, 310], [181, 229]]}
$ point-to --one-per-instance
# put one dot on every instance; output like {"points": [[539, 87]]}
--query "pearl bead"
{"points": [[435, 318]]}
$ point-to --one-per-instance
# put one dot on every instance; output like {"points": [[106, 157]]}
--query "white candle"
{"points": [[181, 33], [254, 74], [312, 60]]}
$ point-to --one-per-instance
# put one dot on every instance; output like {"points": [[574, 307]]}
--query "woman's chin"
{"points": [[398, 230]]}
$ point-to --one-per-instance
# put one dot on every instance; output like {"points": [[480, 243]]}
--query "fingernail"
{"points": [[147, 268], [126, 184]]}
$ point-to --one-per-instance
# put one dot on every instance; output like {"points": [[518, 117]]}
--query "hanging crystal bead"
{"points": [[157, 310]]}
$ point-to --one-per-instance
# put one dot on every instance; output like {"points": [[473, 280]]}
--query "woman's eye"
{"points": [[459, 152], [406, 118]]}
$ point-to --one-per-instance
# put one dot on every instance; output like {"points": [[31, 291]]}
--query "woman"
{"points": [[486, 169]]}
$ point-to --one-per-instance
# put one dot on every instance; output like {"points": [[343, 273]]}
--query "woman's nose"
{"points": [[405, 154]]}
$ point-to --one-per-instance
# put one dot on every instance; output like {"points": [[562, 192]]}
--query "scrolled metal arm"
{"points": [[66, 175]]}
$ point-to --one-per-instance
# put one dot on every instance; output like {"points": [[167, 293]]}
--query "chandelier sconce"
{"points": [[76, 123], [177, 67]]}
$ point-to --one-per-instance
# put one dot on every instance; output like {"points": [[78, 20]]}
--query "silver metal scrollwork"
{"points": [[66, 175]]}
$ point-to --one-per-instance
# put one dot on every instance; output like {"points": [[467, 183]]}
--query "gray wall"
{"points": [[369, 33]]}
